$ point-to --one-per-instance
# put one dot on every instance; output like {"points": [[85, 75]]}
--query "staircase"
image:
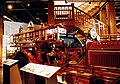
{"points": [[90, 7], [80, 17]]}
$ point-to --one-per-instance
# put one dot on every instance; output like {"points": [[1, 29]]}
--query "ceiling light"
{"points": [[10, 7], [28, 4], [90, 3], [37, 18]]}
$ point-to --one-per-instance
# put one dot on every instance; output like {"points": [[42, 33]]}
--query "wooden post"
{"points": [[73, 11], [103, 18], [1, 38], [51, 13], [111, 17]]}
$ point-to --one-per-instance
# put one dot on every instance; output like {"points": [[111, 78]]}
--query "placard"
{"points": [[40, 70], [10, 62]]}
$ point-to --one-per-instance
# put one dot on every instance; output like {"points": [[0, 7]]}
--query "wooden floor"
{"points": [[1, 75]]}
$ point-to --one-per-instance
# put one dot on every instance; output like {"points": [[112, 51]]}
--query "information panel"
{"points": [[40, 70]]}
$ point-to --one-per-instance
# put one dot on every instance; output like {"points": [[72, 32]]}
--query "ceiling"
{"points": [[37, 11]]}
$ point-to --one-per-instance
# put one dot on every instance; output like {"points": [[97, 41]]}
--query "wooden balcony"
{"points": [[73, 16]]}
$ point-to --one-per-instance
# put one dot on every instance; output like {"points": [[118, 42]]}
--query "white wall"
{"points": [[9, 29], [12, 27]]}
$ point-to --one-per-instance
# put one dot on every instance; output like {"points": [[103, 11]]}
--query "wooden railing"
{"points": [[110, 37], [81, 18], [63, 12], [88, 21]]}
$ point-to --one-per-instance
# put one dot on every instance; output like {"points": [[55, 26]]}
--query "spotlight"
{"points": [[90, 3], [28, 4], [10, 7]]}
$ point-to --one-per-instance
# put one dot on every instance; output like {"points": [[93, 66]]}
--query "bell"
{"points": [[30, 25]]}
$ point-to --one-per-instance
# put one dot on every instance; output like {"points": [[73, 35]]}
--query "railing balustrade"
{"points": [[70, 12]]}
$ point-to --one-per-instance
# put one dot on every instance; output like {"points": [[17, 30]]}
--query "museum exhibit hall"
{"points": [[59, 42]]}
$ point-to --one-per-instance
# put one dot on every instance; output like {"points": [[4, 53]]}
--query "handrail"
{"points": [[102, 28], [82, 4], [82, 11], [85, 14], [90, 16], [94, 14], [61, 5]]}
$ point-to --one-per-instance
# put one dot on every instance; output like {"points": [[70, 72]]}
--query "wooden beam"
{"points": [[1, 38], [111, 17]]}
